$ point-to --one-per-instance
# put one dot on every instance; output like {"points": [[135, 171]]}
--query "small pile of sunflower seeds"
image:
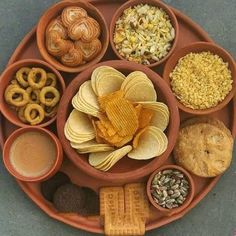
{"points": [[169, 188]]}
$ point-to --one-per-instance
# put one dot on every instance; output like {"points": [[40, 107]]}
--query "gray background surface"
{"points": [[214, 216]]}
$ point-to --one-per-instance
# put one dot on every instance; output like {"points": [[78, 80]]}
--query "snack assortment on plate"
{"points": [[33, 94], [201, 80], [204, 147], [169, 188], [116, 115], [144, 34], [125, 209], [73, 37]]}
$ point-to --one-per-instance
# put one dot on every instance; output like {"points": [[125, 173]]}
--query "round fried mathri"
{"points": [[57, 25], [89, 50], [72, 14], [37, 78], [29, 114], [85, 29], [204, 149], [49, 91], [17, 96], [51, 80], [56, 45], [33, 95], [22, 76], [73, 58], [21, 114]]}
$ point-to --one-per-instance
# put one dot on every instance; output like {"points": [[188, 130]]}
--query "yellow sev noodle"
{"points": [[201, 80]]}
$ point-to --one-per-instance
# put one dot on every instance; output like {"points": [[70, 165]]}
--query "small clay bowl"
{"points": [[126, 168], [9, 74], [53, 12], [190, 195], [197, 48], [155, 3], [17, 133]]}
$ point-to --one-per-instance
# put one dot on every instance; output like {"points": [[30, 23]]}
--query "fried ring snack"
{"points": [[72, 14], [56, 45], [21, 115], [12, 97], [37, 78], [51, 102], [33, 95], [57, 25], [9, 87], [89, 50], [50, 111], [51, 80], [22, 76], [29, 114], [73, 58], [15, 82]]}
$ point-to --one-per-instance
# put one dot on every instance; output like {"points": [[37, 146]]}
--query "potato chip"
{"points": [[145, 117], [80, 106], [161, 114], [105, 160], [152, 142], [137, 137], [123, 116], [78, 127], [106, 80], [141, 91], [91, 146], [75, 139], [104, 100], [133, 78]]}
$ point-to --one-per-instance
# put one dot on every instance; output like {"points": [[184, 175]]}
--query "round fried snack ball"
{"points": [[92, 205], [69, 198], [49, 187], [204, 149]]}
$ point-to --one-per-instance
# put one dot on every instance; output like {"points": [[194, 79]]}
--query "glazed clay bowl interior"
{"points": [[53, 12], [189, 197], [155, 3], [9, 74], [126, 168], [197, 48], [7, 148]]}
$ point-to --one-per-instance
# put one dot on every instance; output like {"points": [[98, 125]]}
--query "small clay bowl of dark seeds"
{"points": [[170, 189]]}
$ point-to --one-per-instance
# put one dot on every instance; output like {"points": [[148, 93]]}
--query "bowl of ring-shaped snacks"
{"points": [[170, 189], [30, 92]]}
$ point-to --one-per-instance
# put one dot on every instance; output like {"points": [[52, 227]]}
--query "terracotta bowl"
{"points": [[189, 196], [5, 80], [156, 3], [11, 139], [126, 168], [197, 48], [55, 11]]}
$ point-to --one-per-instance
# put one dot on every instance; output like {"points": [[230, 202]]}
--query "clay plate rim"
{"points": [[199, 47], [160, 4], [130, 175], [54, 10], [83, 223]]}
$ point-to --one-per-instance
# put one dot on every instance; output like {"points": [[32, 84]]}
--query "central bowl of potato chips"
{"points": [[118, 120]]}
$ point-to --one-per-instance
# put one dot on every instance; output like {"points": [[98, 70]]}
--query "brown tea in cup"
{"points": [[32, 154]]}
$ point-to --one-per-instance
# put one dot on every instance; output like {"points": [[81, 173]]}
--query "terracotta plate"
{"points": [[189, 32]]}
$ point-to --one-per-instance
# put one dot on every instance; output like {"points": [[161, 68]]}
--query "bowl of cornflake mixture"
{"points": [[202, 78], [145, 32]]}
